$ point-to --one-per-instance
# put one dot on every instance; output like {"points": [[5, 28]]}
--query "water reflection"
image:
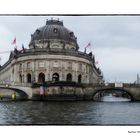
{"points": [[111, 98]]}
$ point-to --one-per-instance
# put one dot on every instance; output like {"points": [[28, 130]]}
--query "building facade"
{"points": [[53, 55]]}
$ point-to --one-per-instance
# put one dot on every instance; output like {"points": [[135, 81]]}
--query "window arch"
{"points": [[55, 30], [37, 31], [55, 77], [71, 34], [69, 77], [41, 77], [29, 78], [79, 78]]}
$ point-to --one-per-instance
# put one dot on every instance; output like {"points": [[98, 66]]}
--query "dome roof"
{"points": [[53, 29]]}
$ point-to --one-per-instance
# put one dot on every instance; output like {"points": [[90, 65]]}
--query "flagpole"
{"points": [[88, 46], [90, 49]]}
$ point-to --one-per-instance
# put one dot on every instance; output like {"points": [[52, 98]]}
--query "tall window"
{"points": [[80, 67], [79, 78], [69, 65], [55, 77], [20, 78], [28, 65], [20, 67], [69, 77], [41, 64], [41, 78], [23, 78], [55, 30], [55, 64], [29, 78], [23, 66]]}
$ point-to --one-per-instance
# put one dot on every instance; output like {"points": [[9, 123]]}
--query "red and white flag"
{"points": [[88, 45], [42, 92], [14, 41]]}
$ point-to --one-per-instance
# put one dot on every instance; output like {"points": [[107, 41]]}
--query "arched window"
{"points": [[20, 78], [29, 78], [71, 34], [55, 77], [79, 78], [69, 77], [41, 78], [37, 31], [55, 30]]}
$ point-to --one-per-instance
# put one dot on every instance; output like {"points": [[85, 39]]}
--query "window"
{"points": [[23, 66], [55, 64], [80, 67], [41, 78], [71, 34], [69, 65], [23, 78], [29, 78], [20, 78], [69, 77], [37, 31], [28, 65], [79, 78], [55, 30], [41, 64], [55, 77], [20, 67]]}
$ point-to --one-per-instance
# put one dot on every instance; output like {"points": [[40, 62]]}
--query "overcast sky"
{"points": [[115, 40]]}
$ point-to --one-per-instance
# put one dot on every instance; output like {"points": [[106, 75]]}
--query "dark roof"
{"points": [[53, 29]]}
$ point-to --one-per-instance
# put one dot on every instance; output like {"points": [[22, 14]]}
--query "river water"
{"points": [[116, 111]]}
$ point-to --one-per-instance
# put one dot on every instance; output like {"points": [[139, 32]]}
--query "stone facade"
{"points": [[53, 55]]}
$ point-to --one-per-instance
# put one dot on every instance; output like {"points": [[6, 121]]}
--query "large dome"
{"points": [[53, 30]]}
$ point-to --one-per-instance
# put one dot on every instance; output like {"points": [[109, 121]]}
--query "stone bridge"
{"points": [[133, 90], [22, 92], [76, 91]]}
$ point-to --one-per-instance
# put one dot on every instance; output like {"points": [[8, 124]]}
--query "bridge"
{"points": [[132, 90], [22, 93], [77, 91]]}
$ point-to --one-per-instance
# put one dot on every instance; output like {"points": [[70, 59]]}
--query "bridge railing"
{"points": [[131, 85], [7, 84]]}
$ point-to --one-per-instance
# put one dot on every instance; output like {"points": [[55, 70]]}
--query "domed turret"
{"points": [[53, 35]]}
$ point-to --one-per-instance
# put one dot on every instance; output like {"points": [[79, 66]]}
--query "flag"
{"points": [[41, 90], [88, 45], [14, 41]]}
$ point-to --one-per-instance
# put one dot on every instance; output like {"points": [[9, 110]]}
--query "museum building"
{"points": [[53, 55]]}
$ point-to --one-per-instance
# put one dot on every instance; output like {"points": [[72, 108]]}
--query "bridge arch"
{"points": [[97, 91], [22, 94]]}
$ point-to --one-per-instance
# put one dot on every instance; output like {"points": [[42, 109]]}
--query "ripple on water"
{"points": [[83, 112]]}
